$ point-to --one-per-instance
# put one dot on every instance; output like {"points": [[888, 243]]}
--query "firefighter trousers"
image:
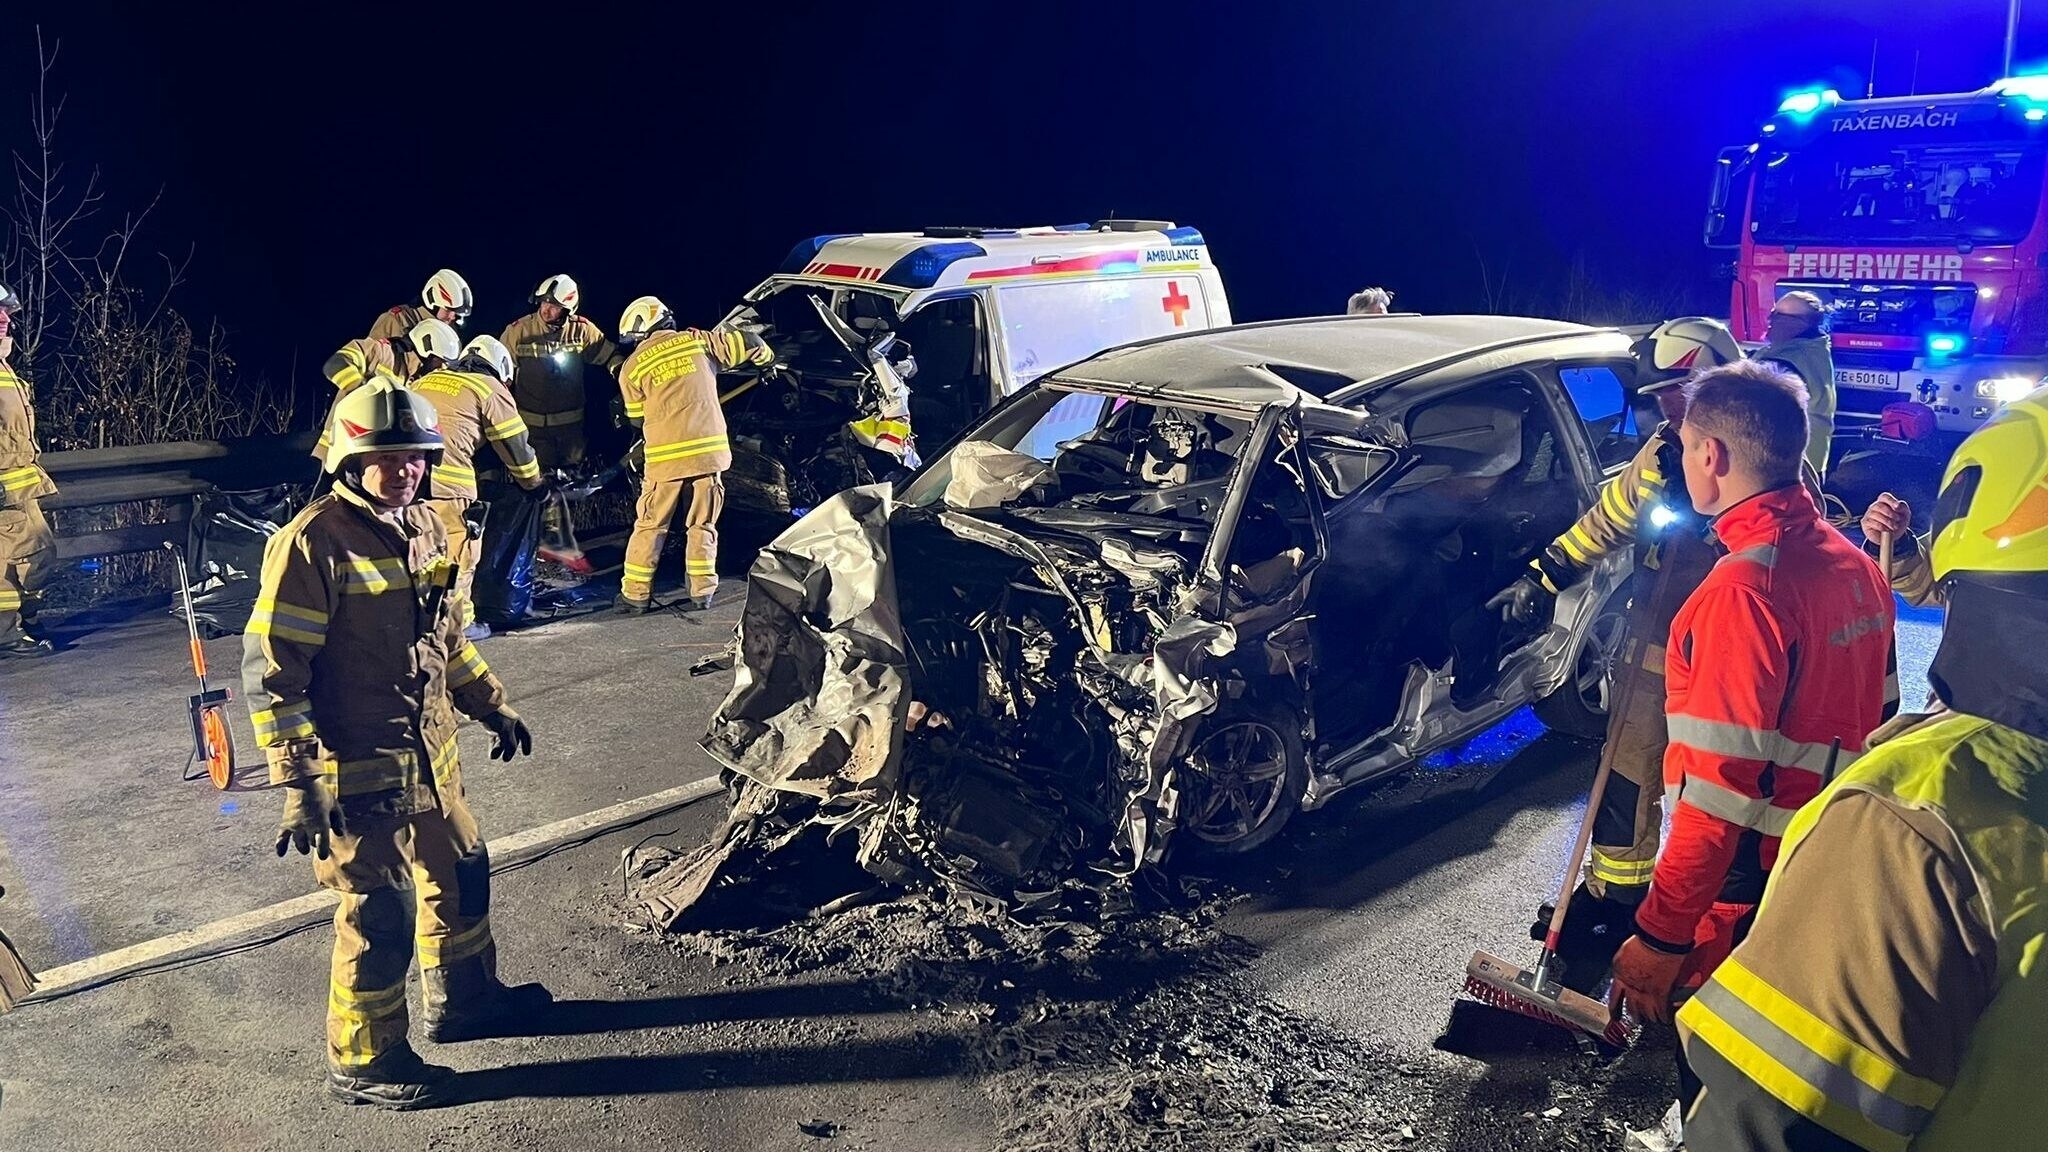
{"points": [[658, 503], [1631, 816], [406, 882], [465, 545], [26, 548]]}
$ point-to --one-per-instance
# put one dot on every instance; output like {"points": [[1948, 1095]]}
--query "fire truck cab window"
{"points": [[1867, 190]]}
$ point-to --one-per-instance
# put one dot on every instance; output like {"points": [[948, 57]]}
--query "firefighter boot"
{"points": [[627, 606], [466, 1001], [399, 1080]]}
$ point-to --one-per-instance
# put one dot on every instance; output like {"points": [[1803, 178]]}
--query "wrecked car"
{"points": [[1171, 595], [886, 342]]}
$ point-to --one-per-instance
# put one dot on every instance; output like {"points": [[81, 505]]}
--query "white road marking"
{"points": [[505, 852]]}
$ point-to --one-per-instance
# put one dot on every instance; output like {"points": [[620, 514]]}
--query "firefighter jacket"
{"points": [[670, 384], [1811, 359], [1615, 519], [1783, 650], [395, 324], [547, 376], [1889, 996], [476, 408], [21, 477], [1912, 573], [354, 662]]}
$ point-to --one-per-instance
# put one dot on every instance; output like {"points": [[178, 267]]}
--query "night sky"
{"points": [[324, 168]]}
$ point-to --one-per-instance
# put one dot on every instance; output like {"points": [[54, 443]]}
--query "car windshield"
{"points": [[1866, 190], [1058, 446], [792, 325]]}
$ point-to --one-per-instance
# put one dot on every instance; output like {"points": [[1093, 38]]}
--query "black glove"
{"points": [[509, 735], [1523, 601], [1594, 929], [311, 813]]}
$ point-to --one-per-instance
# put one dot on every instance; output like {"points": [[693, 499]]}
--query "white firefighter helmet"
{"points": [[447, 289], [382, 415], [435, 338], [492, 353], [560, 289], [9, 300], [643, 316], [1677, 349]]}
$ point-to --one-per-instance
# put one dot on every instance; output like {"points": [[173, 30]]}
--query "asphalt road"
{"points": [[1361, 917]]}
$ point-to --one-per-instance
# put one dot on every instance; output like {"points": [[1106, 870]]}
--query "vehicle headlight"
{"points": [[2006, 389]]}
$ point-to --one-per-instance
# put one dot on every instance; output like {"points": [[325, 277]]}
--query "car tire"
{"points": [[1261, 743], [1580, 705]]}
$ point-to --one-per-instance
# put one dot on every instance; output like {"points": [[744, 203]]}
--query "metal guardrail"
{"points": [[177, 472]]}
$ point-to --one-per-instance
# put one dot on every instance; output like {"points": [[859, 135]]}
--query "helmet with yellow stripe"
{"points": [[1992, 516]]}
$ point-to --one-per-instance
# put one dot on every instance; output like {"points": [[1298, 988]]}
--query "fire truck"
{"points": [[1922, 224]]}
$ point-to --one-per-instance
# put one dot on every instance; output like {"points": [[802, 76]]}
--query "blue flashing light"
{"points": [[2033, 89], [1770, 128], [1185, 237], [2036, 115], [806, 251], [1804, 104], [921, 268], [1945, 343]]}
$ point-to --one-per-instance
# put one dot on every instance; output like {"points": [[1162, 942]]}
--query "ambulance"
{"points": [[889, 344]]}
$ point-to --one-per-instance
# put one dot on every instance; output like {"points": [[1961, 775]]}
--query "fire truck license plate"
{"points": [[1866, 378]]}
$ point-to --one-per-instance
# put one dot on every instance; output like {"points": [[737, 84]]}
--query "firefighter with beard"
{"points": [[1644, 508], [26, 543], [356, 674], [1890, 995], [445, 298], [551, 346]]}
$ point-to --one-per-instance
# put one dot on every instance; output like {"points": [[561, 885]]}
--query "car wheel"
{"points": [[1244, 777], [1580, 705]]}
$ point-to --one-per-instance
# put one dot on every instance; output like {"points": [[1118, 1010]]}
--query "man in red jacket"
{"points": [[1777, 669]]}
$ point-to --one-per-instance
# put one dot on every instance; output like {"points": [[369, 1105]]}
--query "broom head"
{"points": [[1495, 982]]}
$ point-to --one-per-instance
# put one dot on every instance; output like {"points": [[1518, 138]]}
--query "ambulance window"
{"points": [[1051, 325], [1598, 394]]}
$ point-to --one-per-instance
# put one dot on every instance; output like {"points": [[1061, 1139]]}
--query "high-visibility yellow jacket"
{"points": [[1892, 994], [670, 385], [21, 476], [548, 361], [354, 663], [475, 408]]}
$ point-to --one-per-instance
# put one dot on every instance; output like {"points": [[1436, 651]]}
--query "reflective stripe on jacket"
{"points": [[1783, 650], [670, 385], [354, 662], [21, 476], [353, 363], [475, 408], [1907, 1013], [548, 361]]}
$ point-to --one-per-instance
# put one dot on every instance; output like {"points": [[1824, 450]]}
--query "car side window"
{"points": [[1599, 394]]}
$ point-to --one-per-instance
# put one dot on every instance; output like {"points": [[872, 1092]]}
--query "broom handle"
{"points": [[1884, 555], [1578, 858]]}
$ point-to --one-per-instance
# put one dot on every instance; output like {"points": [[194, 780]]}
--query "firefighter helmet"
{"points": [[492, 354], [1992, 515], [8, 300], [447, 289], [1677, 349], [560, 289], [382, 415], [644, 315], [436, 339]]}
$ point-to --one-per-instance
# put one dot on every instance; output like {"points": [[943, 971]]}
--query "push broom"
{"points": [[1537, 994]]}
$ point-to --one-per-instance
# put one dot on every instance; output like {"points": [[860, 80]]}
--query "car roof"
{"points": [[1339, 357]]}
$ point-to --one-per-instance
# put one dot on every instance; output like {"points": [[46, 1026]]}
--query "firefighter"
{"points": [[1645, 507], [26, 543], [670, 384], [551, 346], [1797, 340], [428, 345], [1776, 671], [445, 298], [1912, 574], [1890, 995], [474, 403], [355, 669]]}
